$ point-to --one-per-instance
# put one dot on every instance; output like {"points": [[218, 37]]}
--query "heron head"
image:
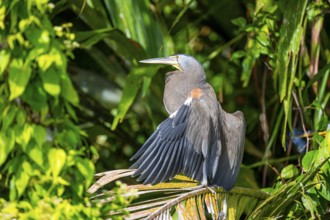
{"points": [[182, 62]]}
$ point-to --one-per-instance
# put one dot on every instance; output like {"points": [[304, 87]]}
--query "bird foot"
{"points": [[211, 190], [223, 213], [204, 186]]}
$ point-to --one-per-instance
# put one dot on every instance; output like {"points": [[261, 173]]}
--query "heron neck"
{"points": [[178, 86]]}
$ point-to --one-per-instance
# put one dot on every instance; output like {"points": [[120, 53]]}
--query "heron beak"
{"points": [[172, 60]]}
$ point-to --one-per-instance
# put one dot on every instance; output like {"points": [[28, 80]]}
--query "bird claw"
{"points": [[211, 190], [204, 186]]}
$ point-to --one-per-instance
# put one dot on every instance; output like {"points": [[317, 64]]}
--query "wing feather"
{"points": [[183, 142]]}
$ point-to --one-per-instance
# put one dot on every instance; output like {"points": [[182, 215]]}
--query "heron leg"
{"points": [[204, 181], [223, 212]]}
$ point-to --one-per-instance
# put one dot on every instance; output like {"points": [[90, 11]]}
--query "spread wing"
{"points": [[180, 144], [232, 137]]}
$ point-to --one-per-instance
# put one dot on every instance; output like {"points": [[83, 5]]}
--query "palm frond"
{"points": [[180, 198]]}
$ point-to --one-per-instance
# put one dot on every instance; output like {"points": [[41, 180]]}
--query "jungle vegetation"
{"points": [[75, 103]]}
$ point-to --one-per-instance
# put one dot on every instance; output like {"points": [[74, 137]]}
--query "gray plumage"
{"points": [[199, 138]]}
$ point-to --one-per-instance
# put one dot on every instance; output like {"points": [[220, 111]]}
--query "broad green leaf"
{"points": [[21, 181], [38, 37], [253, 52], [39, 134], [288, 46], [115, 39], [68, 92], [142, 27], [322, 155], [8, 116], [2, 17], [289, 172], [27, 168], [56, 159], [7, 142], [132, 85], [23, 134], [309, 203], [45, 61], [35, 153], [308, 160], [93, 9], [19, 75], [36, 96], [86, 168], [51, 81], [240, 22], [4, 57]]}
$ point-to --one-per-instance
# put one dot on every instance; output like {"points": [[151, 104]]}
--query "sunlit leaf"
{"points": [[288, 47], [115, 39], [51, 81], [133, 83], [56, 158], [86, 168], [4, 57], [21, 182], [289, 172], [67, 90], [7, 141], [35, 153], [19, 75], [308, 160]]}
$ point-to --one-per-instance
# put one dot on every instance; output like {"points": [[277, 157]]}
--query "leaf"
{"points": [[142, 27], [240, 22], [7, 142], [86, 168], [56, 159], [8, 116], [35, 153], [23, 134], [94, 9], [39, 134], [68, 92], [289, 172], [288, 46], [19, 75], [115, 39], [308, 160], [309, 203], [35, 96], [4, 57], [132, 85], [51, 81], [21, 181]]}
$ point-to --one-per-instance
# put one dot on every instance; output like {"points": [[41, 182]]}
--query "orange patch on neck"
{"points": [[196, 93]]}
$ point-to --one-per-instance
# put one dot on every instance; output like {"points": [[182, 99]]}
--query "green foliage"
{"points": [[267, 58], [44, 160], [71, 63]]}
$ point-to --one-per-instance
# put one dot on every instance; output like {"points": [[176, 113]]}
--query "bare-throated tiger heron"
{"points": [[198, 139]]}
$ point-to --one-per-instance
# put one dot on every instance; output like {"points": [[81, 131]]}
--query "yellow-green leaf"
{"points": [[23, 135], [22, 180], [19, 75], [51, 81], [56, 158], [68, 91], [4, 57], [7, 141], [289, 172]]}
